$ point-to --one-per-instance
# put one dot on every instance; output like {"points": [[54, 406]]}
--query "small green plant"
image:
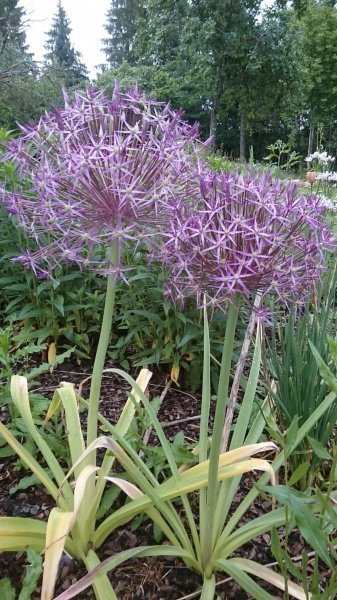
{"points": [[282, 156], [221, 163], [64, 310], [149, 329], [299, 390], [314, 513], [33, 571]]}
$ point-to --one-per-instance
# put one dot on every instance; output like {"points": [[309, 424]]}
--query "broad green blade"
{"points": [[67, 395], [230, 543], [58, 526], [245, 582], [266, 574], [228, 458], [30, 462], [101, 584], [128, 411], [115, 561], [19, 533], [20, 396]]}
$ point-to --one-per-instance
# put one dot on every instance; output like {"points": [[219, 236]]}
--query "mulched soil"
{"points": [[150, 578]]}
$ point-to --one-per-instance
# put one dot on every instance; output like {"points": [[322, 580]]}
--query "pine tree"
{"points": [[15, 60], [121, 26], [60, 52], [11, 25]]}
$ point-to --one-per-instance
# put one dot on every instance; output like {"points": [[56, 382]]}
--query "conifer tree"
{"points": [[121, 27], [11, 25], [60, 51]]}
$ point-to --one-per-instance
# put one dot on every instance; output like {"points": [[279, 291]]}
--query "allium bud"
{"points": [[311, 177]]}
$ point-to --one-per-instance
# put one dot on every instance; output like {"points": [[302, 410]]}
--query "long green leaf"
{"points": [[19, 533], [74, 428], [19, 392], [247, 583], [30, 462], [249, 566], [115, 561], [277, 463], [101, 584]]}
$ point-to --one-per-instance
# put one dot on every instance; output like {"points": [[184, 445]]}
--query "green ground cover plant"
{"points": [[33, 572]]}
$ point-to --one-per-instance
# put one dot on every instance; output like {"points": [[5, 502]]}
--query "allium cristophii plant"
{"points": [[95, 173], [97, 170], [246, 235]]}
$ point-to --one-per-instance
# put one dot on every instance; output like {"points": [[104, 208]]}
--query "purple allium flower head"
{"points": [[99, 170], [247, 234]]}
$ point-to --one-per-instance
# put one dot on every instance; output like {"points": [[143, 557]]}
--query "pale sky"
{"points": [[86, 20]]}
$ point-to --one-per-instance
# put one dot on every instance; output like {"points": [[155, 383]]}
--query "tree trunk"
{"points": [[311, 139], [212, 128], [243, 136]]}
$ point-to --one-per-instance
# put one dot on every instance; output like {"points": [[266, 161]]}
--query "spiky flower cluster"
{"points": [[248, 234], [98, 170]]}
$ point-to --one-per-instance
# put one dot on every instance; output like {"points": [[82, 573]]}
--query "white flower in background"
{"points": [[312, 157], [320, 158], [329, 203], [327, 176]]}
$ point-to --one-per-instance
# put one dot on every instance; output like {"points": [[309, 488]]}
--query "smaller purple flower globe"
{"points": [[246, 235], [98, 170]]}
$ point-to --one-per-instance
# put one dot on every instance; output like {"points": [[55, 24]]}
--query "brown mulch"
{"points": [[140, 579]]}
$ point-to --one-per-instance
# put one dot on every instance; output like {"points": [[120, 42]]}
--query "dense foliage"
{"points": [[249, 73]]}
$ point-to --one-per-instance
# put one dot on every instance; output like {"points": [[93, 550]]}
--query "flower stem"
{"points": [[212, 487], [238, 374], [102, 347], [208, 588]]}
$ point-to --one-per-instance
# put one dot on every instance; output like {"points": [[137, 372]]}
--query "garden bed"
{"points": [[150, 578]]}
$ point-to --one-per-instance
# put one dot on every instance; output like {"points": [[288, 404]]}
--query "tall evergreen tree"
{"points": [[121, 27], [60, 51], [15, 61], [11, 25]]}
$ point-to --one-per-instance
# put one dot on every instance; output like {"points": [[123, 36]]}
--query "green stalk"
{"points": [[204, 422], [101, 584], [212, 487], [228, 488], [208, 588], [103, 344]]}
